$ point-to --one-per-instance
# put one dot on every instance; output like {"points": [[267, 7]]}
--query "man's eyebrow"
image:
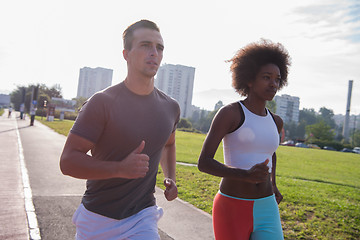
{"points": [[145, 41], [157, 44]]}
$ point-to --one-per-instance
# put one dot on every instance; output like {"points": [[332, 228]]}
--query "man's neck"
{"points": [[140, 86]]}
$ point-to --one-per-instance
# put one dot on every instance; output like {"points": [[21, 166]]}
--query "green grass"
{"points": [[188, 147], [321, 188], [63, 127]]}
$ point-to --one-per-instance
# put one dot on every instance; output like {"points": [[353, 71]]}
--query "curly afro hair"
{"points": [[248, 60]]}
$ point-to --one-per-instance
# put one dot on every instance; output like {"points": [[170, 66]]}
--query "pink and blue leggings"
{"points": [[244, 219]]}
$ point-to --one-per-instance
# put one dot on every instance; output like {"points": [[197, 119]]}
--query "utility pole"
{"points": [[33, 103], [347, 114]]}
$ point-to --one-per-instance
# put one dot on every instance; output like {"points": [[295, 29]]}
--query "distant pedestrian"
{"points": [[22, 109], [10, 110], [246, 205], [129, 128], [32, 115]]}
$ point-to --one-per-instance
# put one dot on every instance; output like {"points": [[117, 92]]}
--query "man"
{"points": [[129, 128]]}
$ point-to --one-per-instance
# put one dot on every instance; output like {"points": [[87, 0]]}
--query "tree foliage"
{"points": [[201, 120], [355, 137], [23, 94], [79, 102], [320, 131], [307, 116], [184, 123], [271, 105], [327, 115], [218, 105]]}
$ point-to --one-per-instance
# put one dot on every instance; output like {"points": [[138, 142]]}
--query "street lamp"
{"points": [[44, 107]]}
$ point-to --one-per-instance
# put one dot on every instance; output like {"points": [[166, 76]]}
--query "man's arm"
{"points": [[168, 165], [75, 162]]}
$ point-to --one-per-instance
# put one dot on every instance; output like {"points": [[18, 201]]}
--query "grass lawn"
{"points": [[321, 188]]}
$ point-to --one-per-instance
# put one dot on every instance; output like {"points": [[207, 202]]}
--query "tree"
{"points": [[218, 105], [271, 105], [327, 116], [356, 138], [184, 123], [290, 130], [320, 131], [308, 116], [204, 120], [44, 93], [79, 102], [300, 130]]}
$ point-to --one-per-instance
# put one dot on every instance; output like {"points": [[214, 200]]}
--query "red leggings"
{"points": [[244, 219]]}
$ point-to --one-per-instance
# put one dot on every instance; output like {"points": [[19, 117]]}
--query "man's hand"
{"points": [[171, 191], [258, 173], [136, 164]]}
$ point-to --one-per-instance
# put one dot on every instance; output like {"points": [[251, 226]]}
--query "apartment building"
{"points": [[287, 107], [92, 80], [177, 81]]}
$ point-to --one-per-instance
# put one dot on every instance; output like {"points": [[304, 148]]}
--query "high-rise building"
{"points": [[177, 81], [4, 100], [92, 80], [287, 107]]}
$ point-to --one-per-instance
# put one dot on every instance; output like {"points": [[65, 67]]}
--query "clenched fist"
{"points": [[136, 164]]}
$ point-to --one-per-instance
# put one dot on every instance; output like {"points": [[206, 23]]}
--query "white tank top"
{"points": [[253, 142]]}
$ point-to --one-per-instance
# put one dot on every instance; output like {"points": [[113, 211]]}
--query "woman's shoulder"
{"points": [[278, 121], [231, 115]]}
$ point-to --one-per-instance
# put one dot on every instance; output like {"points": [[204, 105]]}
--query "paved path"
{"points": [[13, 222], [55, 196]]}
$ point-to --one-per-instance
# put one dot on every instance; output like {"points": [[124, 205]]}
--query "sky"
{"points": [[47, 41]]}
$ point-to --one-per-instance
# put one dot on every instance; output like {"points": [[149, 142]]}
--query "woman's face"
{"points": [[267, 82]]}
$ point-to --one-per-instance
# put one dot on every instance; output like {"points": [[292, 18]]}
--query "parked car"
{"points": [[329, 148], [313, 146], [346, 150], [356, 150], [302, 145], [288, 143]]}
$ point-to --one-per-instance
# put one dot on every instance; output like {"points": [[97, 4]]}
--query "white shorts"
{"points": [[142, 225]]}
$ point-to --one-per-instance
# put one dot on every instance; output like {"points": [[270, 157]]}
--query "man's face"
{"points": [[146, 53]]}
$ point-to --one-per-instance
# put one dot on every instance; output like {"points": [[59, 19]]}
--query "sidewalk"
{"points": [[13, 219], [181, 220]]}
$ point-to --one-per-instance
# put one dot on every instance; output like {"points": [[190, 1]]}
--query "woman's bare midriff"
{"points": [[241, 189]]}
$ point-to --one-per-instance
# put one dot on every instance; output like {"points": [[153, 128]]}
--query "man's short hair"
{"points": [[129, 31]]}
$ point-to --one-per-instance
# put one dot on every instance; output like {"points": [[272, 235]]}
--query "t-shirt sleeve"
{"points": [[91, 119], [177, 107]]}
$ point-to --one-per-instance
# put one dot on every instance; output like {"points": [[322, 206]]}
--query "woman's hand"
{"points": [[258, 173]]}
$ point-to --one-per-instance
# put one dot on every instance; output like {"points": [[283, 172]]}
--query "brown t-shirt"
{"points": [[116, 120]]}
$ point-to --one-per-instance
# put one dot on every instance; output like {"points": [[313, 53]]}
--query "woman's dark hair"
{"points": [[248, 60], [129, 31]]}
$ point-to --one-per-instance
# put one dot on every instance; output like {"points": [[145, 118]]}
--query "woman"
{"points": [[246, 206]]}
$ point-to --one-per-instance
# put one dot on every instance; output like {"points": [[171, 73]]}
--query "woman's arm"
{"points": [[279, 123], [224, 122]]}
